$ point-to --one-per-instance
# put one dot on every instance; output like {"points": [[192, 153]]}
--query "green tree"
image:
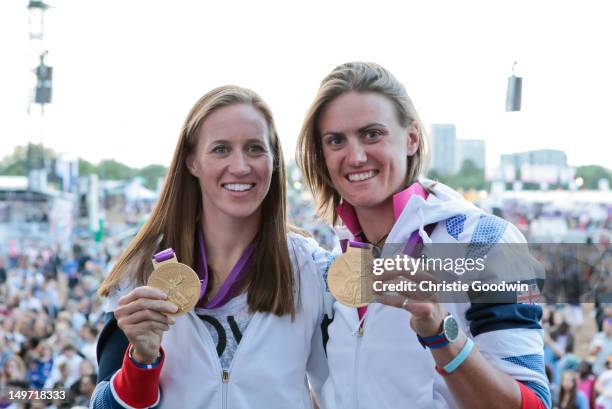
{"points": [[110, 169], [591, 175], [87, 168], [16, 168], [434, 175], [468, 168], [151, 174], [16, 164], [468, 177]]}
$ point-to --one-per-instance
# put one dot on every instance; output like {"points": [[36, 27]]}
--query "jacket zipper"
{"points": [[225, 376]]}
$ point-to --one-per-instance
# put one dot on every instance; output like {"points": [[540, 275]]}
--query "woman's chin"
{"points": [[240, 211], [244, 214], [364, 201]]}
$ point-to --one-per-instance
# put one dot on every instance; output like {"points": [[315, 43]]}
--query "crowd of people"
{"points": [[578, 379], [577, 318], [50, 318]]}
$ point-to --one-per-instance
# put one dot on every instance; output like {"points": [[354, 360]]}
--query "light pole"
{"points": [[41, 94]]}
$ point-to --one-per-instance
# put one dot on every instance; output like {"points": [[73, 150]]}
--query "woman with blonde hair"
{"points": [[362, 150], [254, 335]]}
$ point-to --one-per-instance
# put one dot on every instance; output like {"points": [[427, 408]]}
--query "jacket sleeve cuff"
{"points": [[137, 387], [529, 399]]}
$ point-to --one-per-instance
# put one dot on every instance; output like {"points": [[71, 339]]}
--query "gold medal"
{"points": [[178, 281], [350, 279]]}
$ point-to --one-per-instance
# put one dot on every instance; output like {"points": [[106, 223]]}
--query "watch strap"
{"points": [[433, 342]]}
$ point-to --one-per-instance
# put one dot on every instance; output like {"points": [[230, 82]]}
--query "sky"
{"points": [[127, 72]]}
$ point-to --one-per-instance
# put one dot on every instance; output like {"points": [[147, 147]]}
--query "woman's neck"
{"points": [[225, 240], [376, 222]]}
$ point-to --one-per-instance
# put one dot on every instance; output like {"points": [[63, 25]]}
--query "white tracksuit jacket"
{"points": [[387, 368], [270, 367]]}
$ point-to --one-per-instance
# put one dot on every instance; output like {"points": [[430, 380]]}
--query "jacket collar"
{"points": [[347, 213]]}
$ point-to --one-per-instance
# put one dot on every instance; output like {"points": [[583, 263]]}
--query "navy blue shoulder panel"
{"points": [[493, 317]]}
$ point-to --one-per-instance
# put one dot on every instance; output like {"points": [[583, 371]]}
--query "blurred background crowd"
{"points": [[50, 315]]}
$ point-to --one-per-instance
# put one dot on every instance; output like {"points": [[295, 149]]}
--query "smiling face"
{"points": [[365, 148], [233, 162]]}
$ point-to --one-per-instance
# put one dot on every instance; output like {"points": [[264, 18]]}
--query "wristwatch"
{"points": [[449, 332]]}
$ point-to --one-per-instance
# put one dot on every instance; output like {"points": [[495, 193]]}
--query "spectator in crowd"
{"points": [[64, 374], [603, 387], [82, 390], [586, 382], [88, 336], [2, 271], [557, 341], [60, 403], [86, 368], [569, 395], [601, 346], [72, 359], [50, 297], [39, 367], [14, 371]]}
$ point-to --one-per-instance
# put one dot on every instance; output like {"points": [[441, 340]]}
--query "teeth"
{"points": [[239, 187], [356, 177]]}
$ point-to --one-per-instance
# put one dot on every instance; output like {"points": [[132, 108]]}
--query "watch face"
{"points": [[451, 328]]}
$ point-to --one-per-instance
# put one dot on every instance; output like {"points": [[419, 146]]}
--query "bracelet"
{"points": [[458, 360], [139, 364]]}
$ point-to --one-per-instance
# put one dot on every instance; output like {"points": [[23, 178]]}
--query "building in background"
{"points": [[449, 153], [543, 166], [473, 150], [444, 155], [33, 219]]}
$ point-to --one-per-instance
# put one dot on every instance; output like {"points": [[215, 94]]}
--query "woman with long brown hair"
{"points": [[254, 333], [569, 395]]}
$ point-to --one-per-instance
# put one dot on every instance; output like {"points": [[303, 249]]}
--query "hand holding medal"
{"points": [[146, 312]]}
